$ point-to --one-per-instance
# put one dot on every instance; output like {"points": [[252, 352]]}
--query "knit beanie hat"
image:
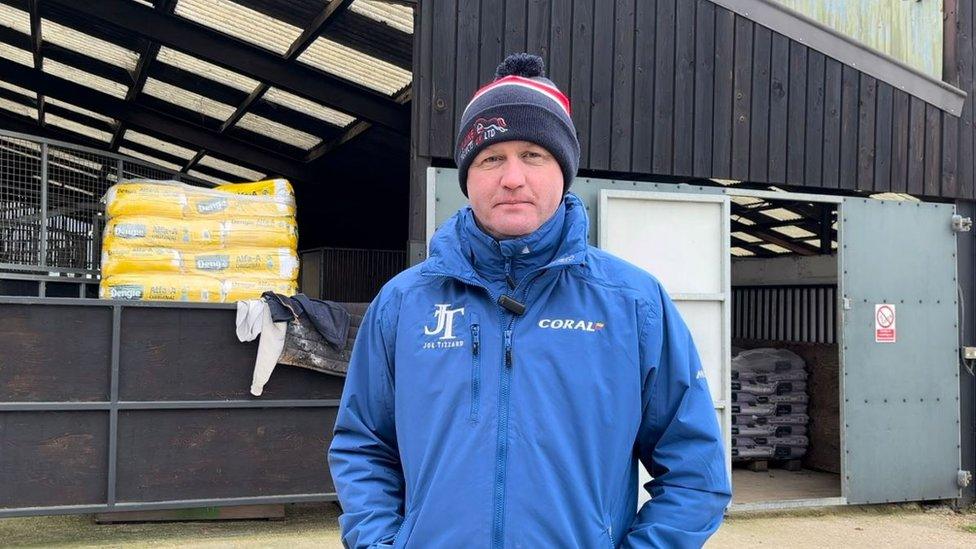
{"points": [[519, 105]]}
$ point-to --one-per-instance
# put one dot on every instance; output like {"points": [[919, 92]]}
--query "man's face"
{"points": [[514, 187]]}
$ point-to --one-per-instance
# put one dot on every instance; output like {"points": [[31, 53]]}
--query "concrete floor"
{"points": [[781, 485]]}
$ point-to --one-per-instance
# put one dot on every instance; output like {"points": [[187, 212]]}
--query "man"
{"points": [[501, 392]]}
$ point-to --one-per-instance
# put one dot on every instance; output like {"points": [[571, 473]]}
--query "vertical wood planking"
{"points": [[741, 114], [899, 141], [492, 33], [442, 76], [468, 38], [831, 133], [916, 146], [704, 87], [779, 76], [421, 77], [724, 93], [582, 72], [882, 138], [601, 101], [814, 121], [797, 115], [560, 45], [950, 147], [623, 86], [515, 22], [537, 22], [646, 12], [933, 150], [964, 155], [850, 96], [684, 89], [664, 87], [865, 133], [759, 105]]}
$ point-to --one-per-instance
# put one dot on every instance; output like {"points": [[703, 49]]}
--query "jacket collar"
{"points": [[462, 250]]}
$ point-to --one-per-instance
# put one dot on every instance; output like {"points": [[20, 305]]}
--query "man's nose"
{"points": [[513, 175]]}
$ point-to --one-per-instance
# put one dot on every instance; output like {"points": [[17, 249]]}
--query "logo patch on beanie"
{"points": [[482, 130]]}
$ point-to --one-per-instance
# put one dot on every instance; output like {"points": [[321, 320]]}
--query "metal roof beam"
{"points": [[139, 116], [250, 60], [35, 28], [774, 238]]}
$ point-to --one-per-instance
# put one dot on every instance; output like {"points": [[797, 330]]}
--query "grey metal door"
{"points": [[900, 400]]}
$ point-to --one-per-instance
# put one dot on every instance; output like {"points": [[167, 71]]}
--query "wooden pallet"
{"points": [[759, 465]]}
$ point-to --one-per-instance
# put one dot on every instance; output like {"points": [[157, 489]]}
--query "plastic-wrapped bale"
{"points": [[262, 232], [753, 409], [769, 388], [799, 441], [789, 398], [278, 263], [789, 452], [750, 453], [776, 377], [240, 289], [120, 259], [751, 419], [267, 187], [768, 361]]}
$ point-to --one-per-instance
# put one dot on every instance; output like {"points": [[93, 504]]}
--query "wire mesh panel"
{"points": [[76, 182], [51, 215], [20, 201], [133, 170]]}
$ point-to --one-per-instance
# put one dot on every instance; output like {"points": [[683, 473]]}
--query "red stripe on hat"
{"points": [[551, 91]]}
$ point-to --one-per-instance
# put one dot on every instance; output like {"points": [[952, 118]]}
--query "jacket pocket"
{"points": [[402, 536], [475, 368]]}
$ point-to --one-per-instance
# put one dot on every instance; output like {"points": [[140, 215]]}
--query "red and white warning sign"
{"points": [[884, 323]]}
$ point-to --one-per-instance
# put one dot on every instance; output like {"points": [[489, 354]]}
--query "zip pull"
{"points": [[510, 281], [475, 339], [508, 348]]}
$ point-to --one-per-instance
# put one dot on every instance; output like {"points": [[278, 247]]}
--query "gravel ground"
{"points": [[315, 526]]}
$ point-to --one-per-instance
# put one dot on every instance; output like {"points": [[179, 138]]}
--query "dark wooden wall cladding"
{"points": [[201, 454], [688, 88], [53, 458], [53, 353], [193, 354]]}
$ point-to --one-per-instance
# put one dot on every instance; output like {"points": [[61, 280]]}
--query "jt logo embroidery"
{"points": [[445, 326]]}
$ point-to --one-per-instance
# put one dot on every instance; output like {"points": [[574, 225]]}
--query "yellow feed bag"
{"points": [[239, 289], [123, 260], [145, 198], [150, 231], [261, 232], [161, 287], [268, 187], [213, 204], [280, 263]]}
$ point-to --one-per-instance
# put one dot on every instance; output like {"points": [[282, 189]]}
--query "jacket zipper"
{"points": [[475, 370]]}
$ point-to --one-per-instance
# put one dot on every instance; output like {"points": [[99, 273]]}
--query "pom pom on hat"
{"points": [[521, 64]]}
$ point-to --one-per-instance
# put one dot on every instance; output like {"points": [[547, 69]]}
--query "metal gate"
{"points": [[900, 404]]}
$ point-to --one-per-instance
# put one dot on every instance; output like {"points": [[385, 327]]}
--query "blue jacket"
{"points": [[465, 425]]}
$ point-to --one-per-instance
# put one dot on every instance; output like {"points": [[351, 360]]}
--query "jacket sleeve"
{"points": [[363, 458], [679, 440]]}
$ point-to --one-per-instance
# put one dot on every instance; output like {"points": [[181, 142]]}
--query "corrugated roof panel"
{"points": [[86, 44], [793, 231], [742, 220], [145, 2], [205, 69], [895, 196], [781, 214], [87, 79], [240, 22], [136, 154], [741, 252], [205, 177], [15, 54], [57, 155], [311, 108], [775, 248], [746, 200], [345, 62], [17, 89], [13, 106], [76, 108], [13, 18], [187, 99], [165, 146], [55, 120], [745, 236], [230, 168], [396, 16], [280, 132]]}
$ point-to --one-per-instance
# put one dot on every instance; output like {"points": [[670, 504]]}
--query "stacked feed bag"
{"points": [[168, 241], [769, 405]]}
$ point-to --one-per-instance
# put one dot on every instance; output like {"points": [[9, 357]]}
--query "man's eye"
{"points": [[533, 154], [492, 159]]}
